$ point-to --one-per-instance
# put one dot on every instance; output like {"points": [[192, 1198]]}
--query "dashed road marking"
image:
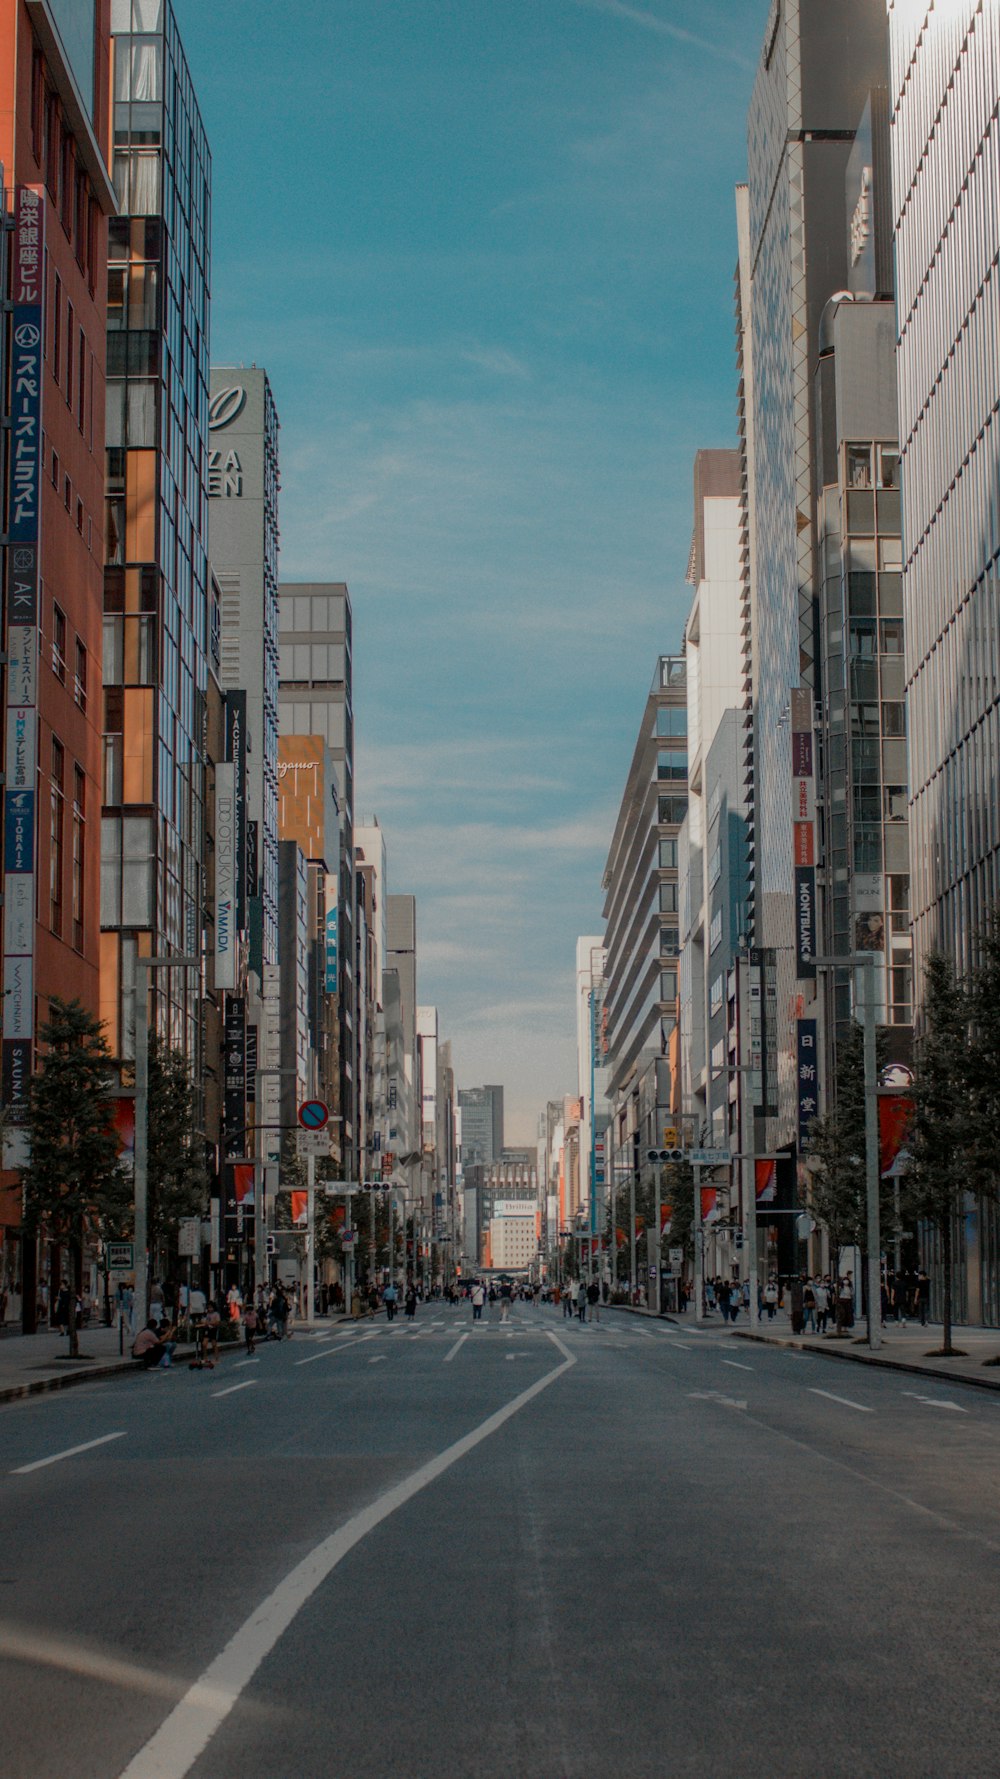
{"points": [[453, 1350], [736, 1365], [70, 1452], [845, 1401], [249, 1383], [937, 1402]]}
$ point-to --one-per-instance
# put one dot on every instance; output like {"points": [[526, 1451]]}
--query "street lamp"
{"points": [[143, 965]]}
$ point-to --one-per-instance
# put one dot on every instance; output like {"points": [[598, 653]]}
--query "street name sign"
{"points": [[710, 1157], [120, 1256]]}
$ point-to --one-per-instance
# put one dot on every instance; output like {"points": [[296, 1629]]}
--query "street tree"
{"points": [[836, 1159], [945, 1149], [176, 1177], [73, 1181], [984, 1063]]}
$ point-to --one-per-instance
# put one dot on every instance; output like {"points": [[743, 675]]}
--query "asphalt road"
{"points": [[545, 1550]]}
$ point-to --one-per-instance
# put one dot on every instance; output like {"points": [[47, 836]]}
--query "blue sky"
{"points": [[485, 250]]}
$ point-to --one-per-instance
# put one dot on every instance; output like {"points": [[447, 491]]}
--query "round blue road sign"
{"points": [[313, 1115]]}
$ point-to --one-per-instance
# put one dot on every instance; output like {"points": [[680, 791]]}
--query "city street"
{"points": [[539, 1549]]}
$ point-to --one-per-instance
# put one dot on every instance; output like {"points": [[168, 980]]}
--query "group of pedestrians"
{"points": [[728, 1296], [579, 1298]]}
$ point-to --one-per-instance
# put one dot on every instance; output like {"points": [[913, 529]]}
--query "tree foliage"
{"points": [[176, 1177], [947, 1149], [73, 1181], [838, 1180]]}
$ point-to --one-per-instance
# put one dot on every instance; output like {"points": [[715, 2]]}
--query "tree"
{"points": [[946, 1149], [836, 1161], [984, 1062], [176, 1178], [74, 1178]]}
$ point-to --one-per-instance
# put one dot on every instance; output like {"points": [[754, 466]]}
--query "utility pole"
{"points": [[699, 1246], [748, 1166]]}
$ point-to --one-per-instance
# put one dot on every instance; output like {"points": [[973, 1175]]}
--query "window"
{"points": [[80, 678], [81, 379], [668, 898], [715, 867], [56, 802], [37, 108], [672, 764], [671, 719], [894, 719], [672, 810], [859, 466], [717, 994], [715, 931], [59, 644], [891, 637], [668, 986], [69, 353], [668, 855]]}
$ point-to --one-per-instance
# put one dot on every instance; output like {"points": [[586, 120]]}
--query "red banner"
{"points": [[666, 1213], [243, 1182], [710, 1212], [300, 1207], [766, 1175], [895, 1115]]}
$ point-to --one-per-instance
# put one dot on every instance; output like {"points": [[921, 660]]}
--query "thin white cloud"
{"points": [[649, 21]]}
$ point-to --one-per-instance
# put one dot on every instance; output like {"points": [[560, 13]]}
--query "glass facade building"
{"points": [[945, 88], [156, 581]]}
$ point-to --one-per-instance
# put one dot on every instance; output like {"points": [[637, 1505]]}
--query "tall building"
{"points": [[592, 1071], [642, 940], [712, 852], [243, 543], [156, 578], [55, 153], [945, 87], [817, 66], [316, 698], [944, 94], [482, 1123]]}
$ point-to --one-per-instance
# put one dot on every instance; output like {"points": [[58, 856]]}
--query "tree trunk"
{"points": [[75, 1256], [946, 1233]]}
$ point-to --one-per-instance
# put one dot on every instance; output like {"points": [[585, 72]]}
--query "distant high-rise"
{"points": [[482, 1123]]}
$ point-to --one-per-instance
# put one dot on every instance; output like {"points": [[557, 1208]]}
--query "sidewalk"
{"points": [[903, 1349]]}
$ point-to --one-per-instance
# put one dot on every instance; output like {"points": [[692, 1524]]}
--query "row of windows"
{"points": [[67, 182], [58, 788]]}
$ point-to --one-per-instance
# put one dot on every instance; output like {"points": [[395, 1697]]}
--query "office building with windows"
{"points": [[56, 155], [642, 938], [945, 89], [482, 1123], [156, 577], [315, 698], [817, 66]]}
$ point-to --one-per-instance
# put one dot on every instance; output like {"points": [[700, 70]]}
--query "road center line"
{"points": [[736, 1365], [70, 1452], [249, 1383], [845, 1400], [183, 1736], [241, 1362], [449, 1356]]}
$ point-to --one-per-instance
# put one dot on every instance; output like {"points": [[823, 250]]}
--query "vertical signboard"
{"points": [[21, 578], [236, 755], [804, 832], [806, 1078], [332, 935], [235, 1079], [226, 848]]}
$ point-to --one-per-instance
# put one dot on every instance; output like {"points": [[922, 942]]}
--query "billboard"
{"points": [[804, 831], [226, 847]]}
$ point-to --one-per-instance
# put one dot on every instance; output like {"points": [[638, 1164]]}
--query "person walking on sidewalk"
{"points": [[581, 1301], [567, 1299], [478, 1299], [410, 1302], [808, 1307], [505, 1300], [594, 1299], [821, 1300], [771, 1297], [389, 1297], [923, 1295]]}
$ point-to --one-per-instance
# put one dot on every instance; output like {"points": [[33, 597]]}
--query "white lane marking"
{"points": [[645, 1333], [241, 1362], [844, 1400], [449, 1356], [249, 1383], [331, 1352], [70, 1452], [736, 1365], [937, 1402], [715, 1396], [682, 1344], [377, 1359], [183, 1736]]}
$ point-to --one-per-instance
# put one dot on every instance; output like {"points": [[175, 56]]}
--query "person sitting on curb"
{"points": [[153, 1348]]}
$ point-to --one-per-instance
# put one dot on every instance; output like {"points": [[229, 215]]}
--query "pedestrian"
{"points": [[771, 1297], [250, 1328], [478, 1299], [279, 1311], [61, 1316], [505, 1299], [389, 1298], [709, 1295], [492, 1294], [821, 1301], [808, 1307], [153, 1347], [845, 1304], [735, 1301], [796, 1290], [581, 1300], [594, 1299], [923, 1295], [567, 1299], [372, 1301], [410, 1303], [722, 1297]]}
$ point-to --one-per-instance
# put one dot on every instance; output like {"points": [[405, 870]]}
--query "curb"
{"points": [[907, 1365], [67, 1380]]}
